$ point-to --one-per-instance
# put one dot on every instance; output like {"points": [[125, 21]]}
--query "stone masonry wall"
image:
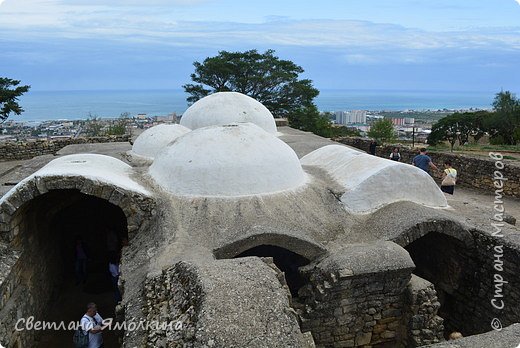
{"points": [[422, 324], [467, 277], [356, 296], [497, 260], [10, 151], [172, 297], [472, 171], [223, 303], [354, 311], [32, 280]]}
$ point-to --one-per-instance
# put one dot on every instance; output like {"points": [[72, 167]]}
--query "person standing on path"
{"points": [[372, 147], [395, 155], [449, 178], [423, 161]]}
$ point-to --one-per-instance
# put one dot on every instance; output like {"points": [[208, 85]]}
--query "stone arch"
{"points": [[137, 207], [287, 254], [34, 246], [305, 248], [446, 227], [444, 254]]}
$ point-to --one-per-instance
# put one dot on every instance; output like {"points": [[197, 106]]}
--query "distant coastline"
{"points": [[73, 105]]}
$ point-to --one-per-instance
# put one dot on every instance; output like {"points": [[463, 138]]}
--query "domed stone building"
{"points": [[252, 237]]}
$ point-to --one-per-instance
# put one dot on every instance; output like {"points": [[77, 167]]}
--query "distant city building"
{"points": [[397, 121], [403, 121], [349, 117]]}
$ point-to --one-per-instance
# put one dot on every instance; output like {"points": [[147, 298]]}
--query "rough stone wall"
{"points": [[222, 303], [472, 171], [354, 311], [464, 278], [12, 300], [31, 281], [495, 259], [422, 324], [172, 297], [356, 296], [28, 285], [10, 151]]}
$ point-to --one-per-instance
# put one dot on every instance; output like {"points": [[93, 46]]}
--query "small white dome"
{"points": [[154, 139], [231, 160], [228, 107]]}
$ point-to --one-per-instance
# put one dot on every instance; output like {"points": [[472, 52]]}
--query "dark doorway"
{"points": [[446, 262], [286, 260], [54, 221]]}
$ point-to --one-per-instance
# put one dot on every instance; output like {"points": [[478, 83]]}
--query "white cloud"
{"points": [[518, 1], [57, 19]]}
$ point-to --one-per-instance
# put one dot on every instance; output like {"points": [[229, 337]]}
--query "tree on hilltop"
{"points": [[9, 94], [505, 124], [263, 76]]}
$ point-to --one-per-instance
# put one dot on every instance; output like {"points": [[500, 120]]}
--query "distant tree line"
{"points": [[502, 125]]}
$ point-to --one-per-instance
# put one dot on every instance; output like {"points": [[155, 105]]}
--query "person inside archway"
{"points": [[80, 260], [92, 323], [113, 268]]}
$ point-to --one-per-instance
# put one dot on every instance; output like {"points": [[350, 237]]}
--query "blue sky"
{"points": [[454, 45]]}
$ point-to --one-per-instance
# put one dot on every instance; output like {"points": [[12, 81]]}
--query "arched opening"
{"points": [[286, 260], [57, 285], [448, 264]]}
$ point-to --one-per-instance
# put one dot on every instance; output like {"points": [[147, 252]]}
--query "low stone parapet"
{"points": [[20, 150]]}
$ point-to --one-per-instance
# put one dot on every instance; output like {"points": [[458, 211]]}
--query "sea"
{"points": [[72, 105]]}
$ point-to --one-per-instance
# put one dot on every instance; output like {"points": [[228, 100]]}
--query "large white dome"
{"points": [[228, 107], [231, 160], [154, 139]]}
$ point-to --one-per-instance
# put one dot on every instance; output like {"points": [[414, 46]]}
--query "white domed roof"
{"points": [[231, 160], [228, 107], [154, 139]]}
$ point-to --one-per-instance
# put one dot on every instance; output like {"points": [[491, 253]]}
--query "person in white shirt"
{"points": [[92, 323], [395, 155]]}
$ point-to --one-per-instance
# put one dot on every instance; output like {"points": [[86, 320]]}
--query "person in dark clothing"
{"points": [[372, 147], [113, 268], [423, 161], [395, 155], [80, 261]]}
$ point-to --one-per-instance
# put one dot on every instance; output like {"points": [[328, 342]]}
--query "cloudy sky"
{"points": [[457, 45]]}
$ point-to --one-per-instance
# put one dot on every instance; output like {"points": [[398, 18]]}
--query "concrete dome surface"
{"points": [[372, 182], [231, 160], [154, 139], [228, 107], [100, 168]]}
